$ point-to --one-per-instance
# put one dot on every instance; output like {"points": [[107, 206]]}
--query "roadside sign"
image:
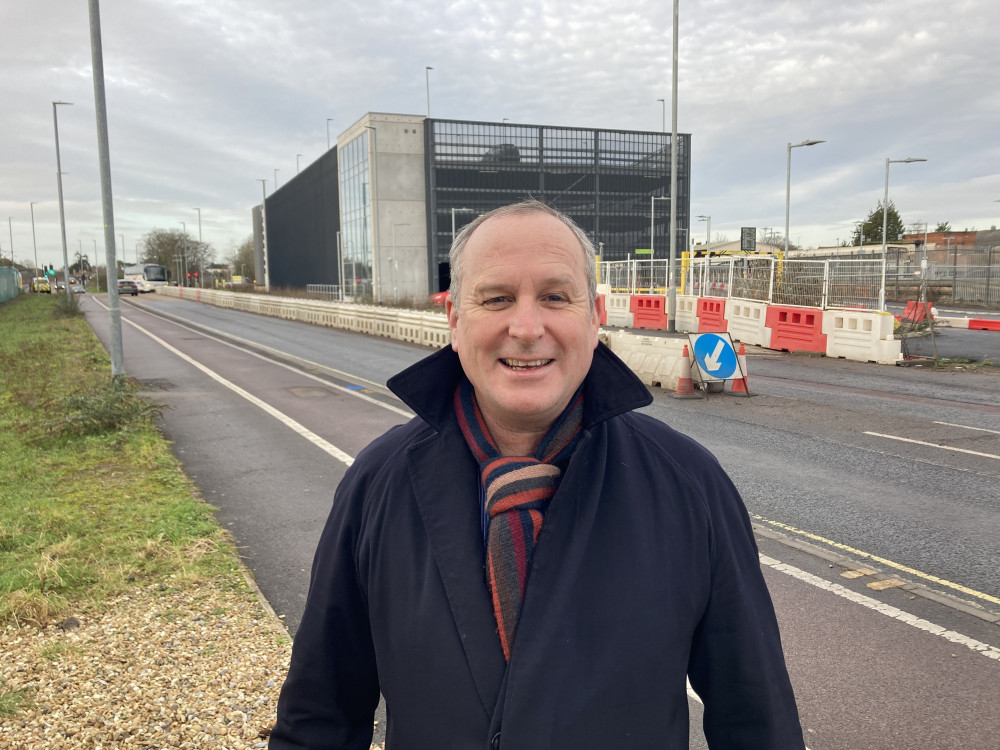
{"points": [[646, 251], [715, 356], [748, 239]]}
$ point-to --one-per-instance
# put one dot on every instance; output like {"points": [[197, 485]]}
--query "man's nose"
{"points": [[526, 321]]}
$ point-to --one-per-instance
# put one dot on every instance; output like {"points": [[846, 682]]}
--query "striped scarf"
{"points": [[518, 489]]}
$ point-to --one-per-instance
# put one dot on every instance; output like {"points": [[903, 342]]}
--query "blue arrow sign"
{"points": [[715, 356]]}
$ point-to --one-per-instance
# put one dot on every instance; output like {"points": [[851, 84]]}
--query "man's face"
{"points": [[524, 328]]}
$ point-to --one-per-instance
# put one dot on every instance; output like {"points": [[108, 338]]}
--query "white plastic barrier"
{"points": [[861, 336], [686, 317], [618, 313], [655, 360], [747, 322], [425, 328]]}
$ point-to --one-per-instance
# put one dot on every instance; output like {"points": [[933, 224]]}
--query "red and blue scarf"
{"points": [[517, 491]]}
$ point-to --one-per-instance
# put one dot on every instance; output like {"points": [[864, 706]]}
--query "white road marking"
{"points": [[966, 427], [312, 437], [932, 445], [346, 375], [990, 652]]}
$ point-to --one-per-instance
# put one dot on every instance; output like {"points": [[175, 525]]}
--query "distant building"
{"points": [[396, 188]]}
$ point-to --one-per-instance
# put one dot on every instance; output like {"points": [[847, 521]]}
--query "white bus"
{"points": [[147, 276]]}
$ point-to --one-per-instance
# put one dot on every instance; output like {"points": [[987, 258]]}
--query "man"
{"points": [[529, 563]]}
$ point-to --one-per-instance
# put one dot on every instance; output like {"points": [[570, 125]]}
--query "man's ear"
{"points": [[598, 315], [451, 310]]}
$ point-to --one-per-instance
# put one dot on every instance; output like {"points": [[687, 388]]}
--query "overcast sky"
{"points": [[205, 97]]}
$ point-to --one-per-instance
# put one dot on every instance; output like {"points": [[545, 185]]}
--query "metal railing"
{"points": [[834, 283]]}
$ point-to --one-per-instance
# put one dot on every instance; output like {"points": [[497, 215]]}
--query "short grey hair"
{"points": [[532, 206]]}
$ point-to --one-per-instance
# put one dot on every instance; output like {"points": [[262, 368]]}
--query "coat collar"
{"points": [[611, 388]]}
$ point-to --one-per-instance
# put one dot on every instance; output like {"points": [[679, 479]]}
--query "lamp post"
{"points": [[10, 230], [297, 157], [59, 173], [885, 219], [328, 121], [201, 271], [664, 103], [708, 232], [34, 243], [184, 259], [427, 79], [276, 179], [788, 182], [394, 262]]}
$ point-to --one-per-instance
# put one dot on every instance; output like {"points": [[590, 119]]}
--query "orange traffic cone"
{"points": [[740, 385], [685, 387]]}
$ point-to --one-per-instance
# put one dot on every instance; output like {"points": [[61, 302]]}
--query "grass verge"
{"points": [[92, 501]]}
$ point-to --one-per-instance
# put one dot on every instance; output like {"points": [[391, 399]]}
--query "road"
{"points": [[874, 489]]}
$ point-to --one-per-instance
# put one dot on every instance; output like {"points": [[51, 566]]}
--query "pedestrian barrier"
{"points": [[983, 324], [654, 360], [747, 322], [796, 329], [916, 312], [711, 315], [686, 317], [861, 336], [648, 311], [618, 312]]}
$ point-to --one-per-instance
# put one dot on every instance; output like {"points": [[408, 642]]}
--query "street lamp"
{"points": [[10, 229], [427, 78], [184, 260], [328, 121], [34, 244], [885, 219], [708, 232], [276, 179], [664, 103], [788, 182], [297, 157], [59, 173]]}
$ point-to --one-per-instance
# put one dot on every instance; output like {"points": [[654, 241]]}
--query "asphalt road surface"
{"points": [[874, 490]]}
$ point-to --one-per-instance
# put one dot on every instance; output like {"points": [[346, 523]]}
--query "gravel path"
{"points": [[169, 666]]}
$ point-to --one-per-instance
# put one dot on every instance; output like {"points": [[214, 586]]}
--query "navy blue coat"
{"points": [[645, 572]]}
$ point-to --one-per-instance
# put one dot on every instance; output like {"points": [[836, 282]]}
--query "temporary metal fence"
{"points": [[856, 284]]}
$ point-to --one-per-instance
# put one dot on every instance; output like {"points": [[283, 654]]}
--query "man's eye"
{"points": [[496, 301], [555, 297]]}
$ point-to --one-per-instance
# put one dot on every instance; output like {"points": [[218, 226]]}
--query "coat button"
{"points": [[495, 742]]}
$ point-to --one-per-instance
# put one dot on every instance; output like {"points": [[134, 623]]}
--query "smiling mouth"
{"points": [[525, 364]]}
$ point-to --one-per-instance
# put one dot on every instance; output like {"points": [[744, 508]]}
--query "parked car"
{"points": [[77, 289], [127, 286], [439, 298], [41, 284]]}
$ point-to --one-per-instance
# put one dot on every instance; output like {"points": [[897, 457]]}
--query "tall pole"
{"points": [[664, 107], [10, 229], [672, 299], [276, 179], [297, 157], [427, 80], [885, 219], [708, 232], [201, 271], [263, 232], [34, 243], [328, 121], [114, 309], [62, 211], [788, 182]]}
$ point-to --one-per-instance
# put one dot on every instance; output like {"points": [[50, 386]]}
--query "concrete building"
{"points": [[375, 216]]}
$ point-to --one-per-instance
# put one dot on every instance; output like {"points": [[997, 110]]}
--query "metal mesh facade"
{"points": [[303, 217], [603, 179]]}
